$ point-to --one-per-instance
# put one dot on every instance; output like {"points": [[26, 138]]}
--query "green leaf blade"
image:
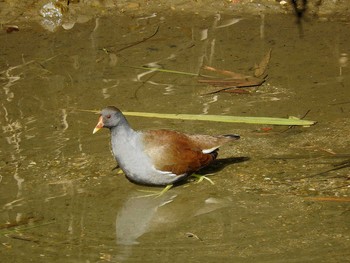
{"points": [[228, 119]]}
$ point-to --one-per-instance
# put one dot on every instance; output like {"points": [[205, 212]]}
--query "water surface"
{"points": [[60, 199]]}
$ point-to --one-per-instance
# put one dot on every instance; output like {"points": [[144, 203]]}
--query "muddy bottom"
{"points": [[281, 194]]}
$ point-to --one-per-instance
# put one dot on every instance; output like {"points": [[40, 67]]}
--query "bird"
{"points": [[158, 157]]}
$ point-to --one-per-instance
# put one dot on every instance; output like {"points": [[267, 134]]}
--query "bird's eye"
{"points": [[108, 116]]}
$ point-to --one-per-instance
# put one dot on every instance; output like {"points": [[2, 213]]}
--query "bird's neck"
{"points": [[124, 140], [123, 129]]}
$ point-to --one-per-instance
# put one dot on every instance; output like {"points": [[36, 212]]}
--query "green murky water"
{"points": [[59, 198]]}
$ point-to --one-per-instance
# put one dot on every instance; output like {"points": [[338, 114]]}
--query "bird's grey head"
{"points": [[109, 118]]}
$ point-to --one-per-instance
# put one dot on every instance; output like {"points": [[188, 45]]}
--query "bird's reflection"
{"points": [[139, 215]]}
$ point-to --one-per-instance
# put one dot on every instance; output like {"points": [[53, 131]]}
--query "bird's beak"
{"points": [[99, 125]]}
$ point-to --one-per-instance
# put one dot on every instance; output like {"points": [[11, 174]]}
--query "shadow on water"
{"points": [[220, 164], [59, 199]]}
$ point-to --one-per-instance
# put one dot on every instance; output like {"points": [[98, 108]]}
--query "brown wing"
{"points": [[207, 142], [176, 152]]}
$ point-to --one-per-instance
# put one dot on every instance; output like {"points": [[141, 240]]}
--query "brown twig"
{"points": [[140, 41], [329, 198], [290, 127]]}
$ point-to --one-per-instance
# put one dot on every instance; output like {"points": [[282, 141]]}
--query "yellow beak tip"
{"points": [[95, 130]]}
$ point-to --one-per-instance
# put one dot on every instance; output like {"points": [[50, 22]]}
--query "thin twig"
{"points": [[290, 127], [329, 170], [135, 43]]}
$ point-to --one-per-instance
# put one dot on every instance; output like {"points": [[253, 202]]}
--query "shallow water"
{"points": [[61, 201]]}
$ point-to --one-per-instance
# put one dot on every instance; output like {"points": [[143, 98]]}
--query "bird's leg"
{"points": [[119, 170], [201, 178], [155, 194], [116, 167]]}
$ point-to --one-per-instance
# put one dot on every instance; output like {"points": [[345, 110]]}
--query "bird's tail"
{"points": [[232, 136]]}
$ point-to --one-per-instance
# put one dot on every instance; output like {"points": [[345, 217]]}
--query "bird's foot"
{"points": [[118, 169], [200, 178], [155, 194]]}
